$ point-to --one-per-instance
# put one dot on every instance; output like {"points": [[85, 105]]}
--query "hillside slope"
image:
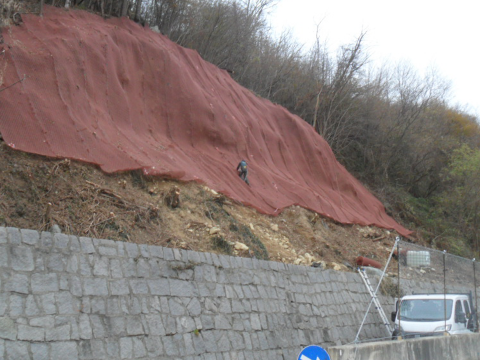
{"points": [[112, 93], [61, 195]]}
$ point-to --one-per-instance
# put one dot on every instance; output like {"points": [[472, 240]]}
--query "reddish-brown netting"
{"points": [[113, 93]]}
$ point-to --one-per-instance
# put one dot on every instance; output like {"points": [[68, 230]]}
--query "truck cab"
{"points": [[433, 314]]}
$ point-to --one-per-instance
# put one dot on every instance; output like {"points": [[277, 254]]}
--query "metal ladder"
{"points": [[375, 300]]}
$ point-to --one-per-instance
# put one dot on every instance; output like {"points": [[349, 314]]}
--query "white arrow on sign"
{"points": [[303, 357]]}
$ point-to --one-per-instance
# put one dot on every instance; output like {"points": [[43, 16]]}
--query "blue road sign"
{"points": [[313, 352]]}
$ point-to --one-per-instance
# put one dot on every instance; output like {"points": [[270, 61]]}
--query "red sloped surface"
{"points": [[112, 93]]}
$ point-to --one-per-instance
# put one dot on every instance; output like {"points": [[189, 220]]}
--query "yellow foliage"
{"points": [[463, 125]]}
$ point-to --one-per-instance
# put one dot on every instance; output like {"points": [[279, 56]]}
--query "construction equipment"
{"points": [[373, 294], [375, 300]]}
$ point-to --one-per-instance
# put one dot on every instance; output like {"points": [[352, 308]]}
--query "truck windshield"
{"points": [[425, 310]]}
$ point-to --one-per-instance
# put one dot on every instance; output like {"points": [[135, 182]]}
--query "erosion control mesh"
{"points": [[115, 94]]}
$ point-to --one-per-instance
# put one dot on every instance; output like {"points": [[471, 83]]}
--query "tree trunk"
{"points": [[138, 9], [124, 9]]}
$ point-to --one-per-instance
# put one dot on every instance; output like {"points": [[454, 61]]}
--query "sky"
{"points": [[444, 35]]}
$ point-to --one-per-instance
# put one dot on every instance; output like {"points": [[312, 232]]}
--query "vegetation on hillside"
{"points": [[391, 127]]}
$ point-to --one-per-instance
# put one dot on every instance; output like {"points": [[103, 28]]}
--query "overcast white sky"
{"points": [[425, 33]]}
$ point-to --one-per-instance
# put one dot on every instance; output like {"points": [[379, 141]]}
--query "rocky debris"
{"points": [[337, 267], [305, 259], [373, 233], [214, 230], [240, 246]]}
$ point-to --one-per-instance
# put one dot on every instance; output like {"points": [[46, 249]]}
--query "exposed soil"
{"points": [[44, 194]]}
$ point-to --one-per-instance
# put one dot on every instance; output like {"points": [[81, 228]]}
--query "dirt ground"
{"points": [[75, 198]]}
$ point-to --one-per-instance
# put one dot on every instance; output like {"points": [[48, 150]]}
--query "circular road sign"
{"points": [[313, 352]]}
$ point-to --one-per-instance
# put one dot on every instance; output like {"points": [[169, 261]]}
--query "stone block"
{"points": [[56, 262], [155, 325], [182, 288], [4, 255], [119, 287], [17, 350], [3, 235], [222, 322], [47, 303], [7, 329], [143, 268], [96, 287], [170, 346], [59, 333], [177, 255], [115, 326], [130, 268], [134, 326], [21, 258], [30, 333], [112, 348], [225, 261], [18, 283], [139, 286], [100, 266], [177, 308], [64, 350], [107, 251], [132, 250], [14, 236], [85, 350], [159, 287], [116, 269], [42, 321], [46, 239], [31, 306], [98, 327], [155, 251], [126, 348], [144, 250], [84, 327], [168, 254], [30, 237], [194, 307], [139, 350], [154, 346], [40, 351], [98, 306], [75, 244], [222, 341], [86, 244], [42, 283], [185, 324], [61, 241], [98, 349], [72, 264], [17, 305]]}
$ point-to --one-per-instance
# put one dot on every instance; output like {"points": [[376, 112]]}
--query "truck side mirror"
{"points": [[393, 315]]}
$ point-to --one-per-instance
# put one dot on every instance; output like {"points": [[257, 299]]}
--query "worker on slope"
{"points": [[242, 171]]}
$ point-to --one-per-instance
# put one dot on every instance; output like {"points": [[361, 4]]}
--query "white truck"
{"points": [[433, 314]]}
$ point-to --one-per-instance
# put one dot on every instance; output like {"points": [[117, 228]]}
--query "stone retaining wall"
{"points": [[65, 297]]}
